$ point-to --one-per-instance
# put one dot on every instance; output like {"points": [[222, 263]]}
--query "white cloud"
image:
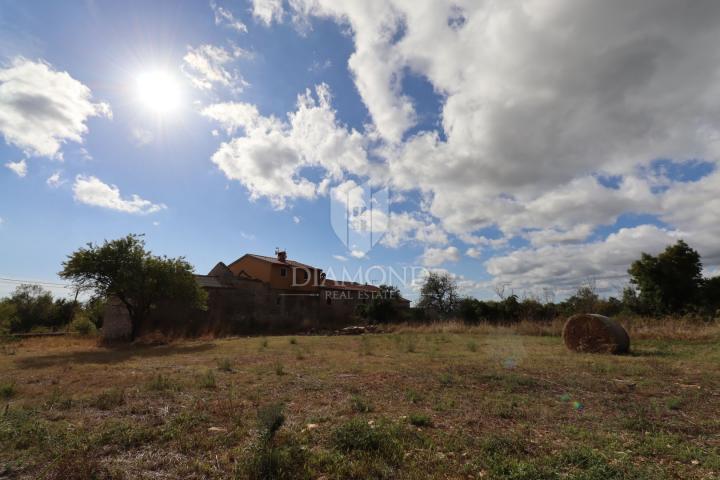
{"points": [[41, 108], [55, 180], [141, 136], [19, 168], [583, 99], [358, 253], [340, 258], [205, 66], [269, 157], [268, 11], [408, 227], [247, 236], [433, 257], [225, 17], [296, 219], [567, 267], [539, 100], [92, 191]]}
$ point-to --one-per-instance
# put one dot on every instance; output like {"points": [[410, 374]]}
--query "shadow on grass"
{"points": [[110, 355]]}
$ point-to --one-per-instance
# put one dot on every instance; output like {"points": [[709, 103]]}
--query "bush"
{"points": [[358, 435], [420, 420], [109, 399], [7, 390], [360, 405], [82, 324]]}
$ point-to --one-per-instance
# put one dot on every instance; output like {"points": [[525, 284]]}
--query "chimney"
{"points": [[281, 254]]}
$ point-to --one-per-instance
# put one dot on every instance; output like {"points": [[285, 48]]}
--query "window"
{"points": [[283, 272], [305, 274]]}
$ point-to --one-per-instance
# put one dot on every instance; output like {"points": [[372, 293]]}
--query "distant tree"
{"points": [[382, 307], [710, 294], [585, 300], [125, 269], [32, 307], [468, 311], [438, 293], [670, 282], [7, 314]]}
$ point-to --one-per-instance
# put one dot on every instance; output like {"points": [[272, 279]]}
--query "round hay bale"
{"points": [[595, 334]]}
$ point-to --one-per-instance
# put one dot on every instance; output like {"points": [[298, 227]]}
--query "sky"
{"points": [[534, 146]]}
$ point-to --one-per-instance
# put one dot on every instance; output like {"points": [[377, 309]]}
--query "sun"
{"points": [[158, 91]]}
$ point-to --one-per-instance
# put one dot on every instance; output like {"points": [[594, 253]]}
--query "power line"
{"points": [[34, 282]]}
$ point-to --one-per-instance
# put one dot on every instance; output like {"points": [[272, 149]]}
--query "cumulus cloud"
{"points": [[205, 66], [269, 156], [540, 100], [55, 180], [296, 219], [93, 191], [225, 17], [42, 108], [267, 11], [433, 257], [473, 252], [406, 227], [19, 168], [567, 267]]}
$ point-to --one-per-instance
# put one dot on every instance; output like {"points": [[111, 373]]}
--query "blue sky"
{"points": [[500, 169]]}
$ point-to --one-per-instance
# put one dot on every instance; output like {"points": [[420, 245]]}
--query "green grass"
{"points": [[418, 404]]}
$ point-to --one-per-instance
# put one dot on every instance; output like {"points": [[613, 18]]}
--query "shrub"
{"points": [[293, 341], [207, 380], [109, 399], [420, 420], [279, 369], [7, 390], [359, 436], [270, 419], [81, 324], [225, 365], [360, 404], [161, 383], [266, 460]]}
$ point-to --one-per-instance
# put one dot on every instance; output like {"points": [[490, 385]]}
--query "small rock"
{"points": [[217, 429]]}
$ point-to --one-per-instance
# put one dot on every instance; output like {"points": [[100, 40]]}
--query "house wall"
{"points": [[248, 307], [254, 267]]}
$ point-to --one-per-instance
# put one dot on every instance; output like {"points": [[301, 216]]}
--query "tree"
{"points": [[383, 304], [670, 282], [438, 293], [711, 296], [125, 269]]}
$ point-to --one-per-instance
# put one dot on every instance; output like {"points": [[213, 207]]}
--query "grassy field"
{"points": [[441, 402]]}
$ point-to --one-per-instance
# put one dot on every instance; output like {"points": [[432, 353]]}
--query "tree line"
{"points": [[670, 283]]}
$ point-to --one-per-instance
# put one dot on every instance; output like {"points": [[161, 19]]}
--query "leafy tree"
{"points": [[467, 309], [125, 269], [585, 300], [711, 296], [438, 293], [383, 304], [670, 282]]}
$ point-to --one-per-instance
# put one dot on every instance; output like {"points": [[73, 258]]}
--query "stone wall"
{"points": [[116, 320], [238, 307]]}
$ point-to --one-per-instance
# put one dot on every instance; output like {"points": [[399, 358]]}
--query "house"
{"points": [[279, 272], [256, 294]]}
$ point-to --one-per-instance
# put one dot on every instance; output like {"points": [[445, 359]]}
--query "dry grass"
{"points": [[439, 401], [640, 328]]}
